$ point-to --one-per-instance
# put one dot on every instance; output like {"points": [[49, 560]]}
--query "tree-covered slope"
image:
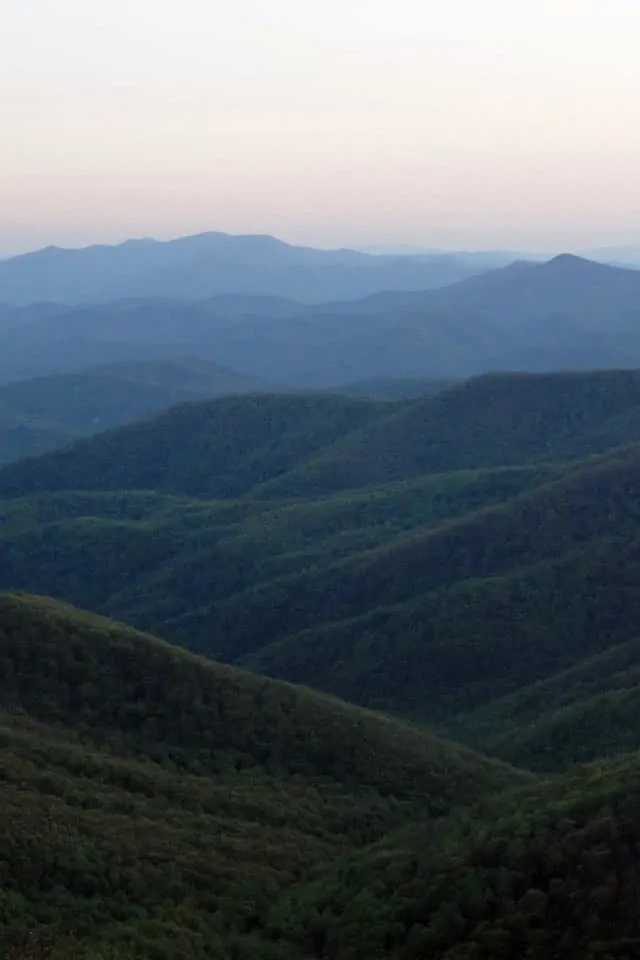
{"points": [[588, 711], [549, 872], [429, 598], [489, 421], [218, 448], [434, 597], [310, 444], [155, 803], [154, 559], [47, 412], [564, 518]]}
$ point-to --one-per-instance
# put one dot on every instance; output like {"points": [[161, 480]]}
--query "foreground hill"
{"points": [[48, 412], [155, 803], [550, 872]]}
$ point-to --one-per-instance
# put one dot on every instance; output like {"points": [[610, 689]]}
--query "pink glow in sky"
{"points": [[330, 122]]}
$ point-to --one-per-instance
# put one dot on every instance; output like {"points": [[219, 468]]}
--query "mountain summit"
{"points": [[566, 285], [213, 263]]}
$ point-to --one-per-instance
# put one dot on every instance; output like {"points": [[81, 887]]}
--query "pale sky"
{"points": [[452, 123]]}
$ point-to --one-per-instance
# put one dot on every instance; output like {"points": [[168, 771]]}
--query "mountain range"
{"points": [[466, 559], [318, 620], [568, 313], [209, 264]]}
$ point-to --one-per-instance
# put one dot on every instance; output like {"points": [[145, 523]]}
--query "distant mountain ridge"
{"points": [[567, 313], [215, 263], [566, 286]]}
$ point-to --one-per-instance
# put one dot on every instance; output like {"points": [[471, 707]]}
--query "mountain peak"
{"points": [[571, 261]]}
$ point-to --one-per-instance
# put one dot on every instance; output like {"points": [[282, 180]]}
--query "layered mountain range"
{"points": [[568, 313], [318, 632]]}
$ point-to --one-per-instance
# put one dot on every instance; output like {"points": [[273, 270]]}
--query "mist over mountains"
{"points": [[210, 264], [567, 313]]}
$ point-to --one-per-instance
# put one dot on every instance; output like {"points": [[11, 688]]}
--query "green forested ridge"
{"points": [[304, 445], [488, 421], [434, 597], [219, 448], [472, 564], [157, 805], [47, 412], [158, 802], [587, 711], [162, 556]]}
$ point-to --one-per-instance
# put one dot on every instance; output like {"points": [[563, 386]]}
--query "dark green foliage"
{"points": [[121, 687], [161, 806], [434, 597], [590, 710], [310, 445], [132, 826], [550, 872], [164, 557], [490, 421], [222, 448], [154, 804]]}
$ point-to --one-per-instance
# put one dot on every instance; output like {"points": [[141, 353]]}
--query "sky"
{"points": [[459, 124]]}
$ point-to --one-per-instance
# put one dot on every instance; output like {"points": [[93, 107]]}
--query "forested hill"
{"points": [[158, 805], [303, 445], [154, 803], [551, 872], [467, 560], [447, 595], [219, 448], [48, 412], [494, 420]]}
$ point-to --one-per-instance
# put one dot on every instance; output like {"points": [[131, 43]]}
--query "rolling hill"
{"points": [[155, 803], [444, 596], [219, 448], [298, 445], [468, 560], [48, 412], [489, 421], [588, 711]]}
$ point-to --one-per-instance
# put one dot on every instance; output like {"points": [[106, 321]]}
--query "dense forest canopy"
{"points": [[397, 622]]}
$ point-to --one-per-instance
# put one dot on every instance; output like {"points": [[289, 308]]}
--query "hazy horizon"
{"points": [[457, 127], [398, 249]]}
